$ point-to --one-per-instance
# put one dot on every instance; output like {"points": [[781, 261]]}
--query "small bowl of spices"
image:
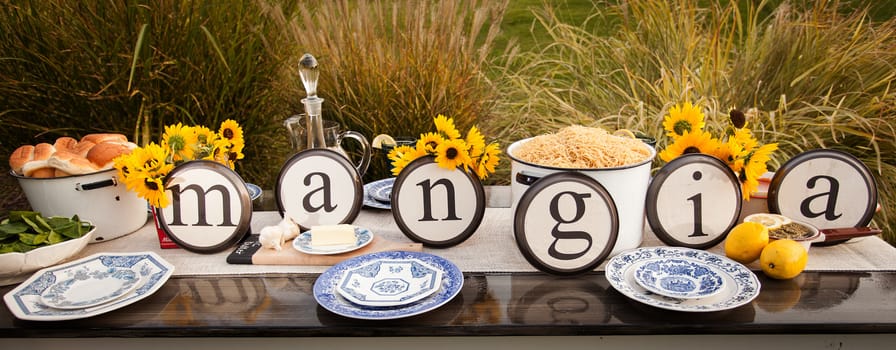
{"points": [[801, 232]]}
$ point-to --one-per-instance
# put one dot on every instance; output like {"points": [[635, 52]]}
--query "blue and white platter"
{"points": [[302, 243], [381, 190], [326, 294], [739, 286], [254, 191], [86, 287], [389, 282], [378, 186], [26, 303], [679, 278]]}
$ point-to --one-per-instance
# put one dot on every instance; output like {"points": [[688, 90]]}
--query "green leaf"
{"points": [[70, 230], [12, 228], [55, 237], [28, 238]]}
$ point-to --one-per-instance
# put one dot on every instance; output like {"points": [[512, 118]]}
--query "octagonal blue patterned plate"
{"points": [[326, 294], [679, 278], [90, 287], [389, 282], [740, 285]]}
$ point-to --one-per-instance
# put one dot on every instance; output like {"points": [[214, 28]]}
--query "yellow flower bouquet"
{"points": [[737, 147], [145, 168], [451, 151]]}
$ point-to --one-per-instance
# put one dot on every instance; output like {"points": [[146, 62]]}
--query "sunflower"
{"points": [[690, 142], [732, 154], [475, 141], [683, 119], [452, 154], [231, 130], [179, 139], [429, 141], [401, 156], [745, 139], [487, 161], [151, 187], [445, 125], [754, 167], [205, 142]]}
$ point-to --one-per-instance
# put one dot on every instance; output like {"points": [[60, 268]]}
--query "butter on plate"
{"points": [[330, 235]]}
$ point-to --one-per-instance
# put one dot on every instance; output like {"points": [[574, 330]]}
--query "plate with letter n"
{"points": [[436, 206], [566, 223]]}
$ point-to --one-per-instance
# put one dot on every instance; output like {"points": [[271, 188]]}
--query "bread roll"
{"points": [[103, 154], [38, 166], [83, 147], [19, 157], [100, 138], [71, 163], [65, 143]]}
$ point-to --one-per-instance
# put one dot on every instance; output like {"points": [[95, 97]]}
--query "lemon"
{"points": [[770, 221], [624, 133], [783, 259], [745, 242], [382, 139]]}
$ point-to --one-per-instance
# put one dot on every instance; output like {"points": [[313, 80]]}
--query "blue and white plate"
{"points": [[329, 298], [369, 201], [302, 243], [679, 278], [25, 300], [740, 285], [86, 287], [381, 190], [389, 282], [254, 191]]}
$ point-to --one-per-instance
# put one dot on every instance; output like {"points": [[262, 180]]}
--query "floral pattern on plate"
{"points": [[88, 287], [389, 282], [381, 190], [326, 295], [24, 300], [370, 201], [302, 243], [740, 284], [679, 278]]}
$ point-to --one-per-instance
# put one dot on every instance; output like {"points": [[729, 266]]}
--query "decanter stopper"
{"points": [[308, 72], [314, 125]]}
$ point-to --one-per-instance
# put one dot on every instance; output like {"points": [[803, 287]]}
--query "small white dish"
{"points": [[389, 282], [24, 301], [302, 243], [90, 287], [679, 278], [381, 190]]}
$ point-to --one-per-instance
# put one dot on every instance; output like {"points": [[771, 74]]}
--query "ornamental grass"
{"points": [[817, 76]]}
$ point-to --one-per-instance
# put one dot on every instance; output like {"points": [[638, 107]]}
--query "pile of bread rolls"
{"points": [[68, 156]]}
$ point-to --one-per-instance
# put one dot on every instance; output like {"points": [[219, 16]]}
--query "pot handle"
{"points": [[96, 185], [526, 179]]}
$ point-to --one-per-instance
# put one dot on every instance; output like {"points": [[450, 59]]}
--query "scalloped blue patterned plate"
{"points": [[740, 285], [25, 300], [679, 278], [329, 298], [370, 201], [381, 190], [88, 287]]}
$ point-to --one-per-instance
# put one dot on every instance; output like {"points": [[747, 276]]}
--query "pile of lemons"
{"points": [[779, 259]]}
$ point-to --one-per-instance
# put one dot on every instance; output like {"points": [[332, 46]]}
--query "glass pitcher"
{"points": [[295, 126]]}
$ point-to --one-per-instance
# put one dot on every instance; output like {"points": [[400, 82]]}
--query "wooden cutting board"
{"points": [[251, 252]]}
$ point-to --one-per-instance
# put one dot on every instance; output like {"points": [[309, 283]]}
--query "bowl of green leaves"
{"points": [[30, 241]]}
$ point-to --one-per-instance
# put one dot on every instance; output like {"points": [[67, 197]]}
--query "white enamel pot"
{"points": [[627, 186], [98, 197]]}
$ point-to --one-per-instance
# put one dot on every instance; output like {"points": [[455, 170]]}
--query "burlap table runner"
{"points": [[491, 249]]}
